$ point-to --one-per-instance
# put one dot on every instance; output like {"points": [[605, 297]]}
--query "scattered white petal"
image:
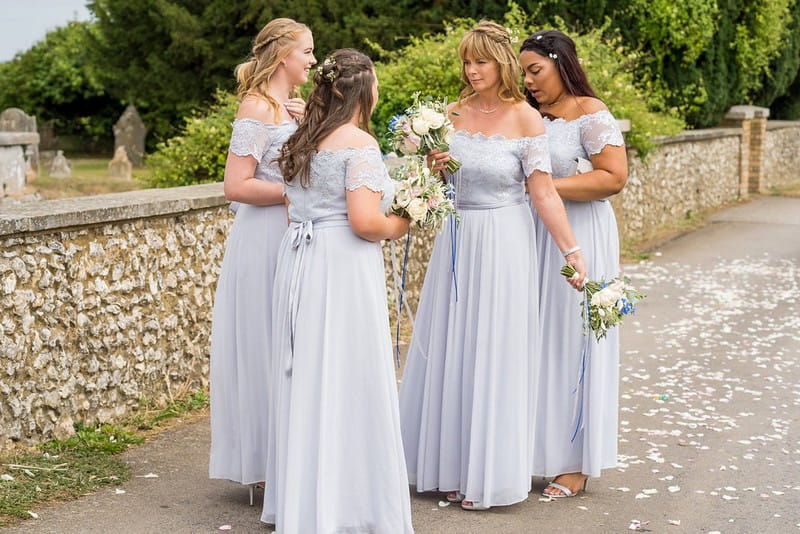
{"points": [[119, 491], [730, 488], [650, 491], [33, 514], [642, 496], [443, 504], [148, 475], [730, 498], [673, 489], [546, 499], [676, 522], [225, 527], [582, 508], [6, 477]]}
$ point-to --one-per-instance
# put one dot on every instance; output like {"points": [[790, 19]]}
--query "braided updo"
{"points": [[342, 85]]}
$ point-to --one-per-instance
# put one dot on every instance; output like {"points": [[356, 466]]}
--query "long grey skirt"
{"points": [[595, 446], [467, 390], [338, 457], [240, 341]]}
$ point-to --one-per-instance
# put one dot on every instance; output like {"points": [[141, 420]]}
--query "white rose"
{"points": [[417, 209], [604, 298], [434, 118], [420, 126]]}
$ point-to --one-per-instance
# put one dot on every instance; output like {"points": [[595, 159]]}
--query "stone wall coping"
{"points": [[778, 125], [747, 112], [18, 138], [699, 135], [100, 209]]}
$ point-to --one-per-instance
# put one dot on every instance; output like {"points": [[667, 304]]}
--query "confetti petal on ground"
{"points": [[8, 478], [443, 504], [33, 514], [119, 491]]}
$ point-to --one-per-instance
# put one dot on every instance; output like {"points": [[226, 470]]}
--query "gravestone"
{"points": [[16, 120], [129, 132], [60, 167], [120, 166], [13, 165]]}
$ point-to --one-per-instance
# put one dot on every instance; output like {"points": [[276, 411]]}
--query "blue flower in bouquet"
{"points": [[605, 303]]}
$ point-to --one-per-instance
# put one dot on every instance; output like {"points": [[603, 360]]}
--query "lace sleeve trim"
{"points": [[599, 130], [365, 168], [536, 155], [250, 137]]}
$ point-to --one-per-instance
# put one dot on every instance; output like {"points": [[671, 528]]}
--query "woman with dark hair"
{"points": [[576, 431], [466, 395], [282, 55], [336, 464]]}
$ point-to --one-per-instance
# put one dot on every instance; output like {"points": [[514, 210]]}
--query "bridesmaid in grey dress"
{"points": [[467, 390], [338, 462], [240, 331], [576, 434]]}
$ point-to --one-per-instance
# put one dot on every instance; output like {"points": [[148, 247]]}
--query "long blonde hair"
{"points": [[273, 43], [489, 40]]}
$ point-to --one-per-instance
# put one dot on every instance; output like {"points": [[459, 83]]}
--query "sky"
{"points": [[24, 22]]}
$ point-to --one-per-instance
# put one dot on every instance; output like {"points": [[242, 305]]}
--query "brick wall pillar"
{"points": [[753, 122]]}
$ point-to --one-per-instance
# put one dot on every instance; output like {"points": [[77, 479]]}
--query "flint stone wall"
{"points": [[104, 300], [781, 154], [107, 299]]}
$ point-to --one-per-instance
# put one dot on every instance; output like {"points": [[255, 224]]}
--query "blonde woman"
{"points": [[338, 463], [465, 399], [283, 53]]}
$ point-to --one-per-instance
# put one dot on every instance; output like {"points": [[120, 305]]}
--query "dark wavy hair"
{"points": [[549, 43], [342, 85]]}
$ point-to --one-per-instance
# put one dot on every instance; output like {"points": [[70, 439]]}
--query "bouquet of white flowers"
{"points": [[424, 127], [606, 303], [420, 195]]}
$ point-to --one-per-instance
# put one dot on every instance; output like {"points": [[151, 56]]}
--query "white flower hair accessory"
{"points": [[331, 74], [552, 55]]}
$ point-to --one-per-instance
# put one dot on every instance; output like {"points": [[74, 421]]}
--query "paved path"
{"points": [[718, 339]]}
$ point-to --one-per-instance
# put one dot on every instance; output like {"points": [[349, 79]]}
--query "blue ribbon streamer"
{"points": [[402, 294], [584, 357], [453, 239]]}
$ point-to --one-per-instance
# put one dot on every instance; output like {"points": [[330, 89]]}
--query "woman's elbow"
{"points": [[618, 181]]}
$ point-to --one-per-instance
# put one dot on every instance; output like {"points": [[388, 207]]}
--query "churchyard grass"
{"points": [[65, 469], [89, 177]]}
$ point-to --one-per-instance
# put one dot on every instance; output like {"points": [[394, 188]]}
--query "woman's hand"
{"points": [[296, 108], [437, 160], [576, 261]]}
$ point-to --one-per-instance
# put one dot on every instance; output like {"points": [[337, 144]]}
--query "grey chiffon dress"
{"points": [[337, 464], [558, 404], [468, 385], [242, 316]]}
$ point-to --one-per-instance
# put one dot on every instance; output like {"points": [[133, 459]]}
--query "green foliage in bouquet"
{"points": [[198, 154]]}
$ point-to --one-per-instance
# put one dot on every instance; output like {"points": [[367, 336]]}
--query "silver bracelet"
{"points": [[573, 250]]}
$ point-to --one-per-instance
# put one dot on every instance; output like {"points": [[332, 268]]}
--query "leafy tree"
{"points": [[55, 81]]}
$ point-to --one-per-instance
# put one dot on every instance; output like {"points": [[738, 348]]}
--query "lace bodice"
{"points": [[251, 137], [494, 169], [333, 173], [580, 138]]}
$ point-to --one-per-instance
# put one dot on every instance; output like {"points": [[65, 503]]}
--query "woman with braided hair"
{"points": [[337, 461], [283, 53], [465, 400]]}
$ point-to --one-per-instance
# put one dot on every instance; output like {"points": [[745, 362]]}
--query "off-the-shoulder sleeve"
{"points": [[599, 130], [365, 168], [250, 138], [535, 155]]}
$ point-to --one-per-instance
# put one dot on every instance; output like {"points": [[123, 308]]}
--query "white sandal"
{"points": [[566, 492]]}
